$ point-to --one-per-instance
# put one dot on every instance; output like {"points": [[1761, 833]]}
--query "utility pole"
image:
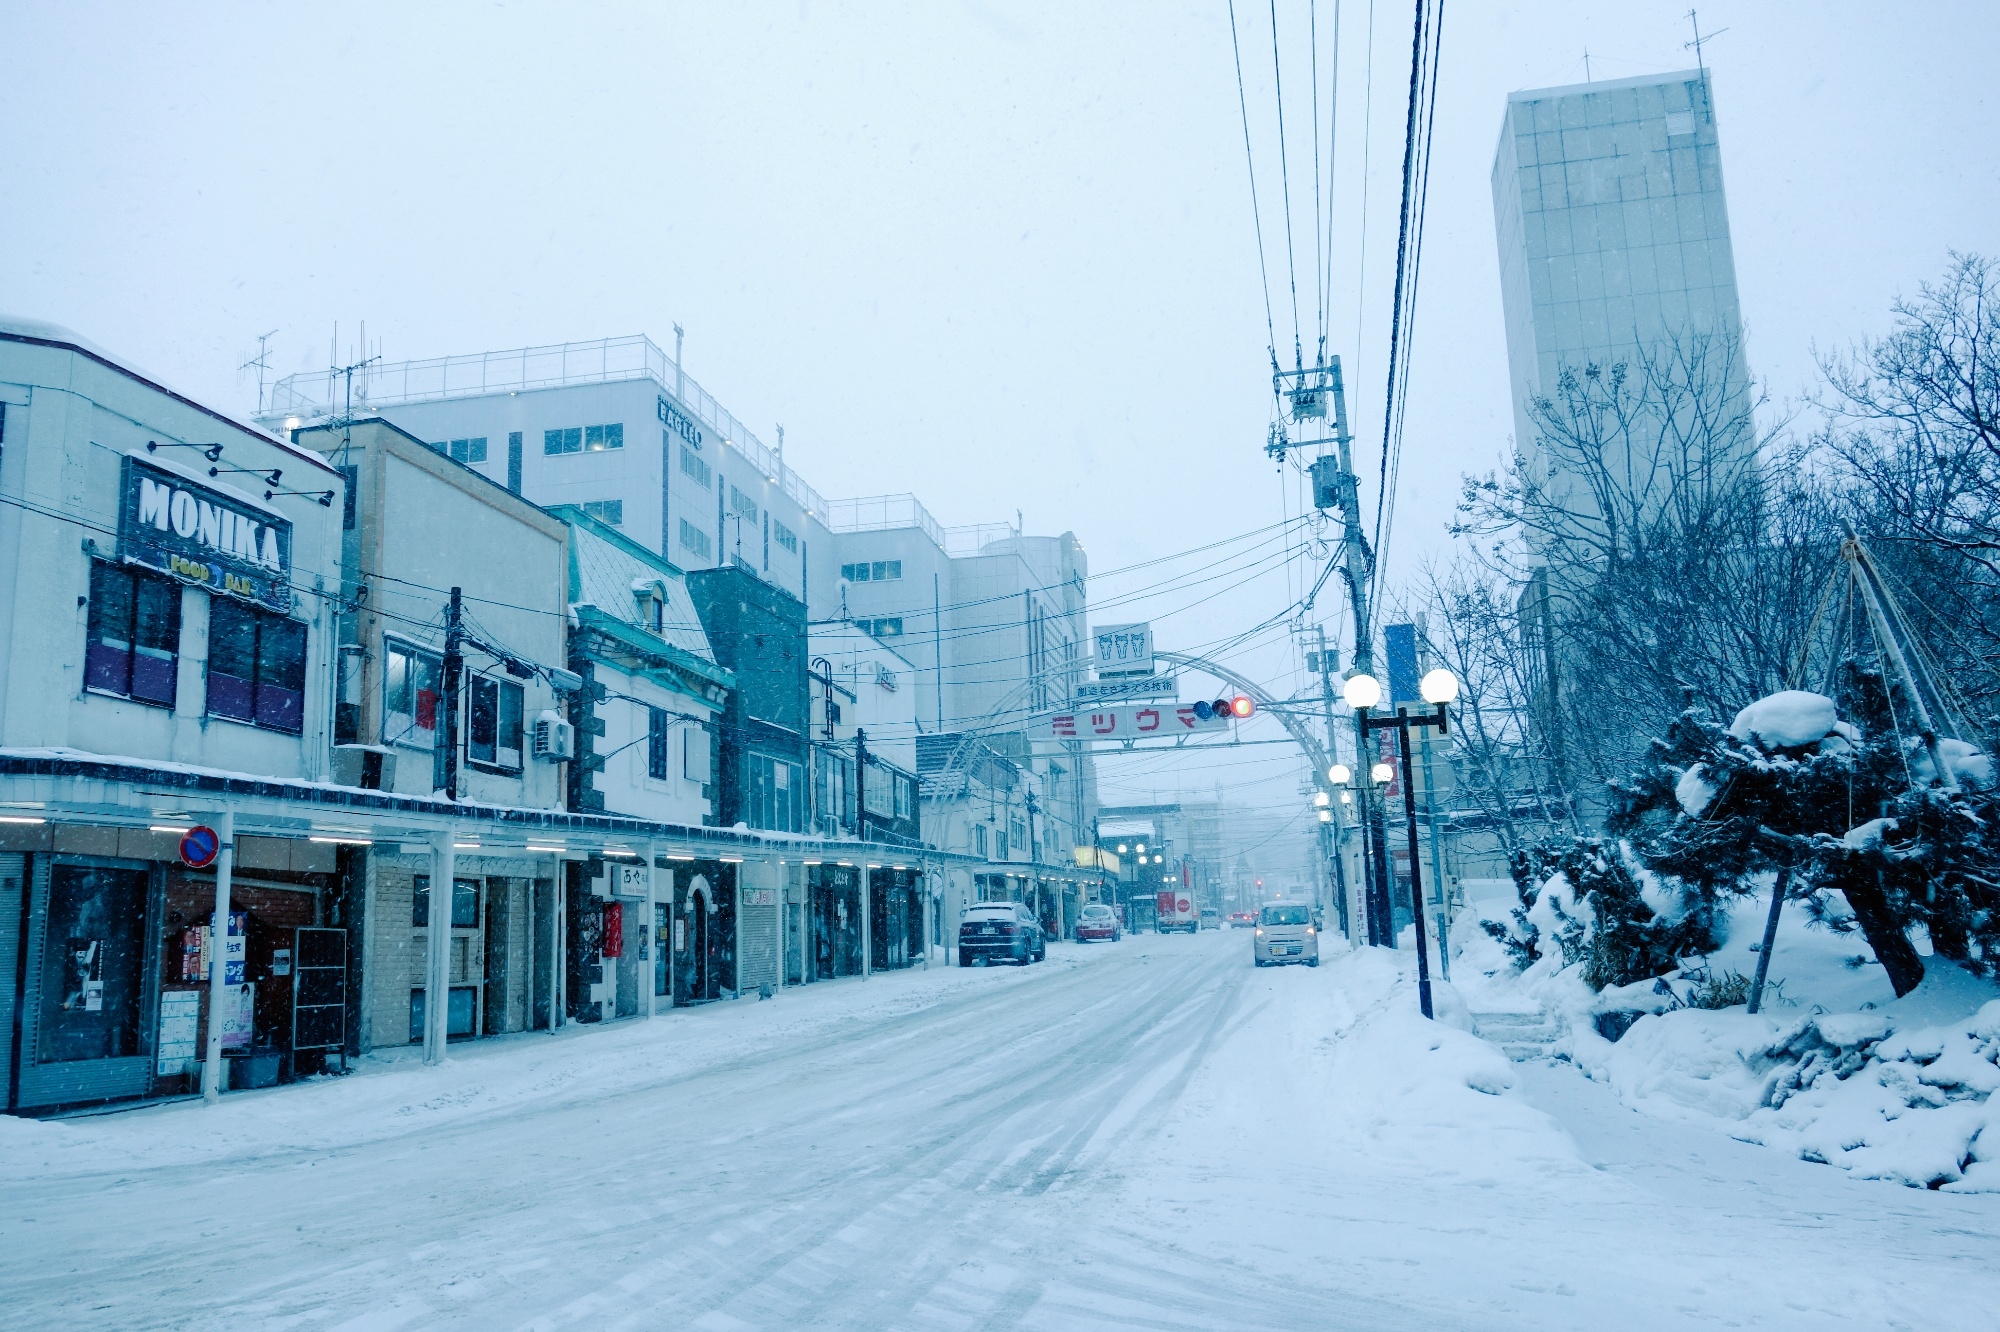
{"points": [[860, 783], [445, 775]]}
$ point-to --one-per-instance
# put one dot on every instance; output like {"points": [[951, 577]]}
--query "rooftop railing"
{"points": [[608, 360], [884, 513]]}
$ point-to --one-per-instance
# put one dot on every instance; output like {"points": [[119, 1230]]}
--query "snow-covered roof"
{"points": [[22, 328], [609, 574]]}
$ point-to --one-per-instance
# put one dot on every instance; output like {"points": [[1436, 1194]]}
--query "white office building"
{"points": [[1613, 231], [614, 427]]}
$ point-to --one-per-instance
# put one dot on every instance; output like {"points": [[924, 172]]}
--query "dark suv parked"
{"points": [[1000, 932]]}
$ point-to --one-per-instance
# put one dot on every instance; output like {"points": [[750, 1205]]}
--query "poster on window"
{"points": [[83, 980], [180, 1031], [239, 1008], [233, 949]]}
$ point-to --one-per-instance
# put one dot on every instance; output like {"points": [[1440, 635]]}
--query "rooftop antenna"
{"points": [[1699, 41], [1586, 61], [346, 418], [781, 453], [262, 362], [680, 375]]}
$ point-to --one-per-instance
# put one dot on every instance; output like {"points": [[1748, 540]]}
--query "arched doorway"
{"points": [[698, 952]]}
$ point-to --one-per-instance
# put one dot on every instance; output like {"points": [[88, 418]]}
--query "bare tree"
{"points": [[1913, 421], [1505, 776], [1661, 545]]}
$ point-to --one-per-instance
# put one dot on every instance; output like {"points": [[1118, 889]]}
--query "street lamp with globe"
{"points": [[1440, 689]]}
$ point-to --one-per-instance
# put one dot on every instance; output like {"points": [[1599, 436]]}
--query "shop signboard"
{"points": [[1138, 686], [1124, 649], [1133, 721], [227, 542]]}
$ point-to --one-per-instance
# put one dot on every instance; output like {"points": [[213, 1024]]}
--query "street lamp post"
{"points": [[1439, 687]]}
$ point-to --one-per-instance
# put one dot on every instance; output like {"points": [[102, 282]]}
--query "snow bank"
{"points": [[1788, 719], [1885, 1094]]}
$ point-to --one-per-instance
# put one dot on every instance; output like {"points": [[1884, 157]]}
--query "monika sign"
{"points": [[201, 535], [1134, 721]]}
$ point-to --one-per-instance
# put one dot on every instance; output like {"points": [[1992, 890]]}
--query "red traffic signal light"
{"points": [[1241, 706]]}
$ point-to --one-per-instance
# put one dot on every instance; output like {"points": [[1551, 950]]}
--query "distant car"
{"points": [[1000, 932], [1211, 919], [1285, 934], [1098, 922], [1242, 920]]}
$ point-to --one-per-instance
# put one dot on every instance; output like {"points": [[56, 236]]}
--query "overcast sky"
{"points": [[998, 254]]}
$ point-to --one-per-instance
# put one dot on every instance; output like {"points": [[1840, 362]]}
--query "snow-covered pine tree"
{"points": [[1912, 851]]}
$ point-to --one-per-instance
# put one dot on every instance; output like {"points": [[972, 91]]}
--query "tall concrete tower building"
{"points": [[1614, 238]]}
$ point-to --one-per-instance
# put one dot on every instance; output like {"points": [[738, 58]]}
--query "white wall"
{"points": [[70, 422], [633, 474]]}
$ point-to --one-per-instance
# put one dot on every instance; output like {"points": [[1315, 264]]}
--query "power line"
{"points": [[1249, 159], [1285, 176]]}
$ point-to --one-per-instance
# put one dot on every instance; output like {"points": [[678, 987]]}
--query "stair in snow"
{"points": [[1520, 1036]]}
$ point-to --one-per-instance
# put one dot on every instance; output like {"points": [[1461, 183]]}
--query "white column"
{"points": [[558, 941], [218, 953], [652, 896], [437, 970]]}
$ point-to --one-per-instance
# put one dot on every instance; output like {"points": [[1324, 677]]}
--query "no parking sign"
{"points": [[199, 847]]}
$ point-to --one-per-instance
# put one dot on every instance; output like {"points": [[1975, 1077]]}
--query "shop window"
{"points": [[464, 903], [606, 511], [412, 684], [132, 647], [659, 730], [493, 730], [92, 964], [461, 1014], [256, 666]]}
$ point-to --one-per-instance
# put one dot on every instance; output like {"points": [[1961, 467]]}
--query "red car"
{"points": [[1242, 920], [1098, 923]]}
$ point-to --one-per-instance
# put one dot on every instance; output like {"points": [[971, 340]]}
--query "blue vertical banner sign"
{"points": [[1401, 642]]}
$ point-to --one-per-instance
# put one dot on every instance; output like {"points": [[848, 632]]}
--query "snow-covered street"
{"points": [[1151, 1133]]}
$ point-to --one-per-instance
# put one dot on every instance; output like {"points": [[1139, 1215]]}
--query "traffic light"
{"points": [[1239, 707]]}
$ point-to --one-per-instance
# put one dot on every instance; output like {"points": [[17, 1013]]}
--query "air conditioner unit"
{"points": [[555, 739]]}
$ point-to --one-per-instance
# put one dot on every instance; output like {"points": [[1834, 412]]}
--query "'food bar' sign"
{"points": [[200, 535]]}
